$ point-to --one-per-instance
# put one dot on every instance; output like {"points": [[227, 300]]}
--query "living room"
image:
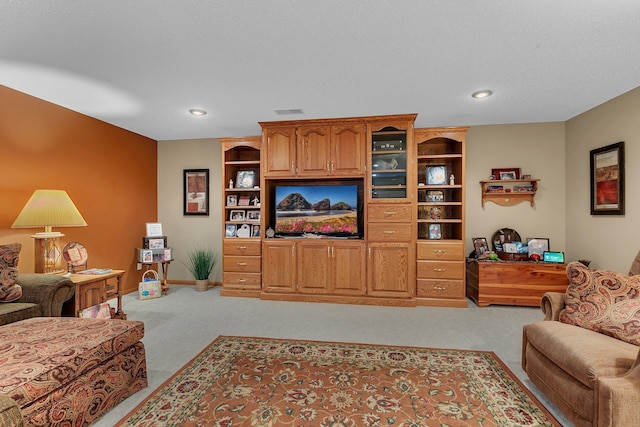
{"points": [[121, 180]]}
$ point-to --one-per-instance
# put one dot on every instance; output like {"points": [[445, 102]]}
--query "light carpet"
{"points": [[272, 382]]}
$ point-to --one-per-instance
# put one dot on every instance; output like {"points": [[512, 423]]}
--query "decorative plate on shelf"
{"points": [[75, 254], [504, 235], [436, 175]]}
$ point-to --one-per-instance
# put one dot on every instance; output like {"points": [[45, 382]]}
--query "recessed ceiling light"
{"points": [[197, 112], [481, 93]]}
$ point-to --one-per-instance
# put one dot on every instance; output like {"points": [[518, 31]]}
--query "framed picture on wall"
{"points": [[607, 180], [196, 192]]}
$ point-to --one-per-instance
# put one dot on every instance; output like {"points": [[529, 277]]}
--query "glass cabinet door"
{"points": [[389, 164]]}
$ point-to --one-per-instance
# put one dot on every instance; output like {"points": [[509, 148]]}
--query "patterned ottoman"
{"points": [[70, 371]]}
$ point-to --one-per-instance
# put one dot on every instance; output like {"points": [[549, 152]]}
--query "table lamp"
{"points": [[49, 208]]}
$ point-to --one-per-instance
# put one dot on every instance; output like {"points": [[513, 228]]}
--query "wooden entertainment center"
{"points": [[409, 248]]}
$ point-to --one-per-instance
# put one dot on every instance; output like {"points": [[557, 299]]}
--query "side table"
{"points": [[513, 282], [92, 289]]}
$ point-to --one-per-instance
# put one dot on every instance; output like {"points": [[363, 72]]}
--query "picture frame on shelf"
{"points": [[158, 242], [243, 200], [537, 245], [237, 215], [196, 192], [230, 230], [253, 215], [244, 231], [508, 175], [232, 200], [435, 196], [607, 180], [436, 175], [154, 229], [435, 231], [481, 247], [245, 179], [255, 230], [497, 171]]}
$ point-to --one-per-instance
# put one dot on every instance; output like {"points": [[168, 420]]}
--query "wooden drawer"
{"points": [[393, 213], [441, 270], [440, 251], [440, 288], [242, 280], [241, 248], [241, 264], [389, 232]]}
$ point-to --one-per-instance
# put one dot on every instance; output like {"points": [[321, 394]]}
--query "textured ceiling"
{"points": [[142, 64]]}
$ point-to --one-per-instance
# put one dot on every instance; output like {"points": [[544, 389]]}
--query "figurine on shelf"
{"points": [[255, 201], [230, 183], [452, 180]]}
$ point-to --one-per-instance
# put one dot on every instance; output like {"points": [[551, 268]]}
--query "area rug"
{"points": [[239, 381]]}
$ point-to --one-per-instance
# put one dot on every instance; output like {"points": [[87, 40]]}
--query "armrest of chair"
{"points": [[551, 304], [10, 415], [50, 291], [618, 398]]}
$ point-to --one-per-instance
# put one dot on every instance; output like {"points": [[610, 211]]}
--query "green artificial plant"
{"points": [[201, 263]]}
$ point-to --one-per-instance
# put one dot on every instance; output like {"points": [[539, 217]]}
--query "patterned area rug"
{"points": [[239, 381]]}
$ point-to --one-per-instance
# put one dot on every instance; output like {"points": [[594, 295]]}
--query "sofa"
{"points": [[42, 295], [584, 355], [68, 371]]}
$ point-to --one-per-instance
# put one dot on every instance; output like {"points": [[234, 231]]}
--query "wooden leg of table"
{"points": [[120, 314], [165, 271]]}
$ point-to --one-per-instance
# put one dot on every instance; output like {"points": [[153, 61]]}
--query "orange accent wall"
{"points": [[109, 173]]}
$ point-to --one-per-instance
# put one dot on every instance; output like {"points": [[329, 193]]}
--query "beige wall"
{"points": [[187, 232], [538, 150], [609, 241]]}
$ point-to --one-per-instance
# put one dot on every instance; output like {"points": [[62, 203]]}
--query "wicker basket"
{"points": [[506, 256]]}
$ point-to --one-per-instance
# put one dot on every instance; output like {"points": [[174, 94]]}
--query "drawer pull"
{"points": [[242, 264], [389, 213], [439, 270], [439, 288], [242, 280], [389, 231], [242, 248], [439, 251]]}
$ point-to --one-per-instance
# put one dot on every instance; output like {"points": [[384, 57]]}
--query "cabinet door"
{"points": [[347, 150], [313, 267], [391, 270], [348, 259], [279, 266], [281, 151], [313, 151]]}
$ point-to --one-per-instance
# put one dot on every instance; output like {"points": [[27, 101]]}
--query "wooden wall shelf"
{"points": [[509, 195]]}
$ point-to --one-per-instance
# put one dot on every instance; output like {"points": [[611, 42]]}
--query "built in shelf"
{"points": [[511, 192]]}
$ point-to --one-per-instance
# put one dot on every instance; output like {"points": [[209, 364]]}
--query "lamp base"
{"points": [[48, 257]]}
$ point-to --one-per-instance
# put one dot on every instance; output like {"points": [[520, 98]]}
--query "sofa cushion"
{"points": [[603, 301], [9, 289], [15, 311], [43, 354]]}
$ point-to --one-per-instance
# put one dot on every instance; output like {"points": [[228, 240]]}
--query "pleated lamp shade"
{"points": [[49, 208]]}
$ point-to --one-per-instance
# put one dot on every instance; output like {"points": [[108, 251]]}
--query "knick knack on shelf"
{"points": [[230, 183], [452, 180]]}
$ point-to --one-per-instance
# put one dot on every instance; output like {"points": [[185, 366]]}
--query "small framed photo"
{"points": [[253, 215], [435, 231], [230, 230], [496, 173], [167, 254], [436, 175], [243, 200], [481, 247], [508, 175], [154, 229], [196, 192], [232, 200], [435, 196], [147, 256], [245, 179], [236, 215], [159, 242], [537, 245], [255, 230]]}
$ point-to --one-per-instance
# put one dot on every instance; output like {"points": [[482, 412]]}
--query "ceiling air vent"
{"points": [[288, 111]]}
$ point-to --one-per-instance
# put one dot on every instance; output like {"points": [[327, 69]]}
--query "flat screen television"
{"points": [[332, 210]]}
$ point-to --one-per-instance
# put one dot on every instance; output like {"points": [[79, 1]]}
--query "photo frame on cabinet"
{"points": [[607, 180], [481, 247], [253, 215], [232, 200], [237, 215], [508, 175], [245, 179], [436, 175], [255, 230], [537, 245], [435, 196], [435, 231], [196, 192], [230, 230]]}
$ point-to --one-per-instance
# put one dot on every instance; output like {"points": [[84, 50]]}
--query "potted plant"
{"points": [[201, 263]]}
